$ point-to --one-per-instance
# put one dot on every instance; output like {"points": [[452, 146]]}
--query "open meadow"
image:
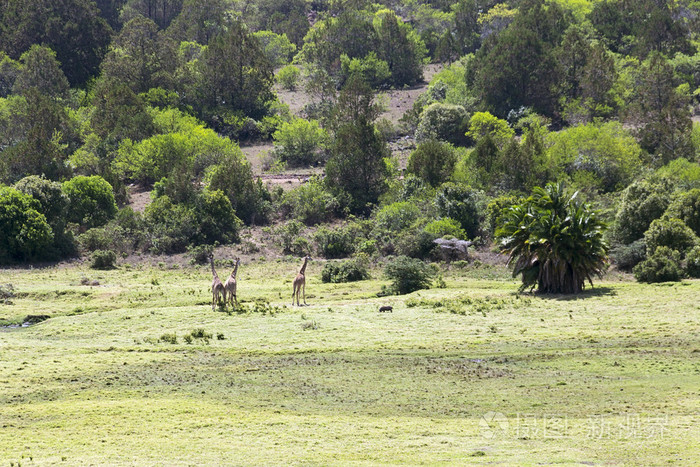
{"points": [[138, 370]]}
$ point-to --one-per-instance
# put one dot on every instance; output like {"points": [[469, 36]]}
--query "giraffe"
{"points": [[230, 285], [217, 288], [299, 283]]}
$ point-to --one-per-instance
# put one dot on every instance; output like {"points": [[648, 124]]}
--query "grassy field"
{"points": [[470, 373]]}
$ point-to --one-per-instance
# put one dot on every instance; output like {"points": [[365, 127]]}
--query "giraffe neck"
{"points": [[235, 269], [303, 268], [213, 271]]}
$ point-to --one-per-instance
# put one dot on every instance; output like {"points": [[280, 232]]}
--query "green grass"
{"points": [[608, 377]]}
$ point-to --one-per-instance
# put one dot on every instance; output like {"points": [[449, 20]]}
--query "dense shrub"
{"points": [[291, 240], [445, 227], [300, 142], [200, 254], [662, 266], [494, 211], [409, 274], [373, 70], [686, 207], [626, 257], [672, 233], [397, 216], [445, 122], [460, 202], [642, 202], [288, 77], [276, 47], [336, 243], [310, 203], [92, 201], [103, 259], [692, 267], [433, 161], [24, 233], [346, 271]]}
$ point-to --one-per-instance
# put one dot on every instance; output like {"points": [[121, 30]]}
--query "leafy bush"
{"points": [[310, 203], [495, 208], [289, 235], [276, 47], [288, 77], [200, 254], [92, 201], [445, 227], [432, 161], [460, 202], [662, 266], [103, 259], [300, 142], [336, 243], [672, 233], [642, 202], [628, 256], [445, 122], [686, 207], [409, 274], [24, 233], [346, 271], [692, 267], [397, 216], [373, 70]]}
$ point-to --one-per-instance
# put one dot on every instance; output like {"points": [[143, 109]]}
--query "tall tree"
{"points": [[141, 57], [235, 75], [356, 169], [161, 12], [40, 69], [74, 29]]}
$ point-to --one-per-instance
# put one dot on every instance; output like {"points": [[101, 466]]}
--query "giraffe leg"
{"points": [[304, 287]]}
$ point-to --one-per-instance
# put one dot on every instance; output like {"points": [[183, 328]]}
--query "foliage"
{"points": [[24, 233], [670, 232], [346, 271], [334, 243], [91, 200], [370, 68], [554, 241], [606, 151], [54, 202], [642, 202], [276, 47], [300, 142], [310, 203], [686, 207], [408, 275], [692, 267], [446, 122], [103, 259], [626, 257], [495, 209], [432, 161], [397, 216], [460, 202], [40, 69], [445, 227], [356, 168], [288, 77], [291, 239], [662, 266], [200, 254], [483, 124]]}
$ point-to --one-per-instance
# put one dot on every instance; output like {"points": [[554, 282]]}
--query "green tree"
{"points": [[686, 206], [300, 142], [554, 241], [235, 74], [91, 200], [200, 20], [276, 47], [400, 47], [119, 114], [356, 167], [460, 202], [409, 275], [24, 233], [72, 28], [432, 161], [140, 57], [40, 69], [642, 202], [9, 70], [160, 12]]}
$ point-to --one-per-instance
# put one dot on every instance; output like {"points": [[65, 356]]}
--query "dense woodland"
{"points": [[597, 96]]}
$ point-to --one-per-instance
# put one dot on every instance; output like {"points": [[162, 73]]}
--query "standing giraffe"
{"points": [[217, 288], [299, 283], [230, 285]]}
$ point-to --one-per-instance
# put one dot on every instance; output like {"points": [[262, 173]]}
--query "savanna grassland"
{"points": [[139, 370]]}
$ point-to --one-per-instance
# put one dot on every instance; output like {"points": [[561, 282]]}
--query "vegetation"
{"points": [[408, 275], [554, 241]]}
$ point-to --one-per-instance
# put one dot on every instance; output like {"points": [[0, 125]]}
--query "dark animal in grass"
{"points": [[386, 308]]}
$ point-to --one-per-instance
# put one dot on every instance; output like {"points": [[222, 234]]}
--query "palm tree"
{"points": [[554, 241]]}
